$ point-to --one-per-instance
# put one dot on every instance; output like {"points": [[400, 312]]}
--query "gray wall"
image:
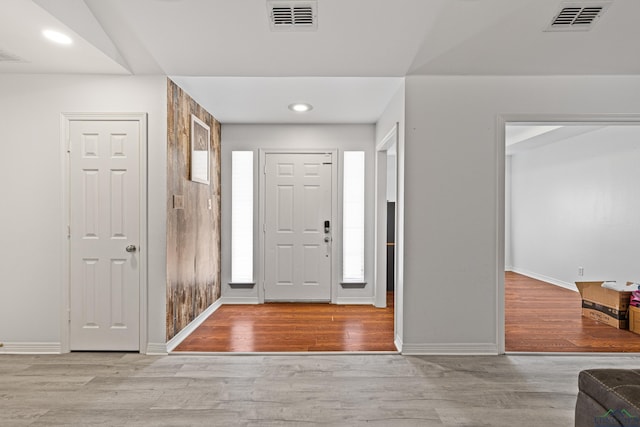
{"points": [[454, 257], [32, 176], [395, 114]]}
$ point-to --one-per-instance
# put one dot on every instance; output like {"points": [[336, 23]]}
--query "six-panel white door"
{"points": [[297, 246], [104, 234]]}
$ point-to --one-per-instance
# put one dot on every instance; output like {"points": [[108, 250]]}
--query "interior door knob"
{"points": [[131, 248]]}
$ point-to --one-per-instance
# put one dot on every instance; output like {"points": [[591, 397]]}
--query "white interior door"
{"points": [[104, 234], [297, 245]]}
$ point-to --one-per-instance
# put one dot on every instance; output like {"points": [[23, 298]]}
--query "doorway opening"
{"points": [[388, 241], [569, 190], [368, 319]]}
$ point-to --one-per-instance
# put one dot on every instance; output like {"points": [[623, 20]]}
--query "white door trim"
{"points": [[336, 252], [502, 121], [65, 119], [380, 240]]}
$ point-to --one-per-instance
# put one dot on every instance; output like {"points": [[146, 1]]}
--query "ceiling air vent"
{"points": [[9, 57], [292, 15], [577, 17]]}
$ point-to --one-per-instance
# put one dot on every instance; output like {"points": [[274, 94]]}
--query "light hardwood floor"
{"points": [[89, 389]]}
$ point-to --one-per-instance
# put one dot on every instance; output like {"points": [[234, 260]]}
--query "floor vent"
{"points": [[577, 17], [9, 57], [292, 15]]}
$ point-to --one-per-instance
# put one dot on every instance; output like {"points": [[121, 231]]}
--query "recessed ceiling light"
{"points": [[300, 107], [57, 37]]}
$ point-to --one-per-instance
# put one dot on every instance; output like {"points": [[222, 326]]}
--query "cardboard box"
{"points": [[605, 305], [634, 319]]}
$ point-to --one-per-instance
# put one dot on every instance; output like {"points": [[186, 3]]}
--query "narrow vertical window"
{"points": [[353, 217], [242, 216]]}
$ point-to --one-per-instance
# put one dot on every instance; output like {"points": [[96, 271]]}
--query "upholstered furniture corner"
{"points": [[608, 398]]}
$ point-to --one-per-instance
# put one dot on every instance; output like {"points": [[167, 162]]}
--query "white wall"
{"points": [[576, 203], [395, 114], [508, 263], [254, 137], [453, 168], [31, 176], [392, 172]]}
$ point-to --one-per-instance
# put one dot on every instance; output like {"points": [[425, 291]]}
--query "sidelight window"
{"points": [[242, 216], [353, 217]]}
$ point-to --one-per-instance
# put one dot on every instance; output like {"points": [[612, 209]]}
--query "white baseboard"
{"points": [[450, 349], [542, 277], [156, 349], [193, 325], [239, 300], [31, 348], [356, 301], [398, 343]]}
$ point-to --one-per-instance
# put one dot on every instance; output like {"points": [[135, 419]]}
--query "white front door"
{"points": [[297, 245], [104, 193]]}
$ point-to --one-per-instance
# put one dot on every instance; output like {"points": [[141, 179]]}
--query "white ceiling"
{"points": [[523, 137], [266, 99], [198, 42], [21, 26]]}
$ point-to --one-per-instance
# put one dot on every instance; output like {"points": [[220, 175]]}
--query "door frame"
{"points": [[380, 278], [65, 312], [502, 121], [380, 239], [336, 235]]}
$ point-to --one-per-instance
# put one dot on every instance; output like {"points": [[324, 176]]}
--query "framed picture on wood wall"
{"points": [[200, 151]]}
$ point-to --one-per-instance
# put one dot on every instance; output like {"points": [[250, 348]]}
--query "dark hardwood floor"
{"points": [[540, 317], [294, 327]]}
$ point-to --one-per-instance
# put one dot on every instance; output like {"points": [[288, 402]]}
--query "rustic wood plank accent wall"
{"points": [[193, 216]]}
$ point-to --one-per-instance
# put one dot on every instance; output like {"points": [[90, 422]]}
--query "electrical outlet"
{"points": [[580, 271]]}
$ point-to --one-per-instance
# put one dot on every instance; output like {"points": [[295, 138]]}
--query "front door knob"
{"points": [[131, 248]]}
